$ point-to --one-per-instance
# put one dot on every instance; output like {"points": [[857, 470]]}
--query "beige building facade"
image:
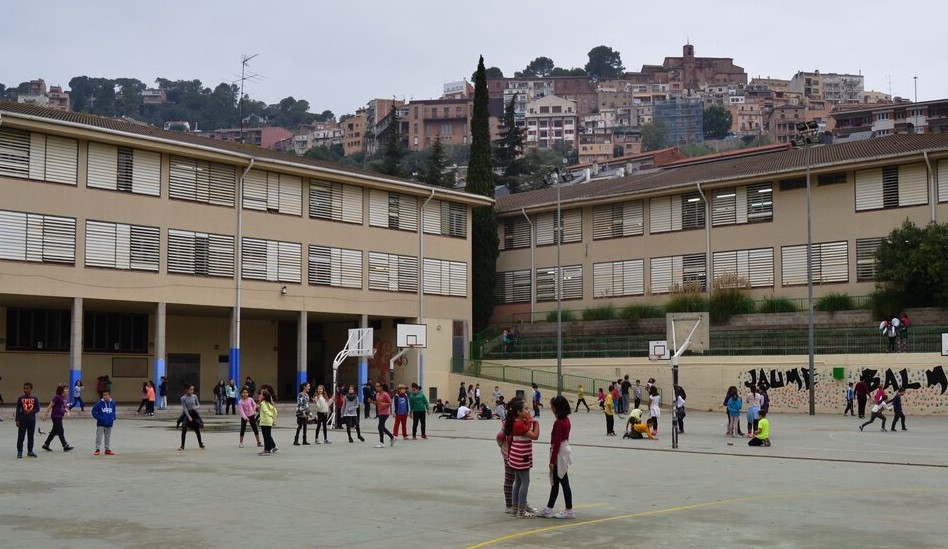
{"points": [[638, 238], [133, 252]]}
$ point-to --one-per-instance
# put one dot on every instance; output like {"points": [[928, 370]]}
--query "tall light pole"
{"points": [[559, 289], [807, 136]]}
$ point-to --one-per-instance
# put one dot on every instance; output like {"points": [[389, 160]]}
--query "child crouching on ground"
{"points": [[635, 429], [762, 434]]}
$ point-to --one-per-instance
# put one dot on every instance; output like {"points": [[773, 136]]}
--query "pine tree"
{"points": [[393, 153], [434, 167], [480, 180], [510, 144]]}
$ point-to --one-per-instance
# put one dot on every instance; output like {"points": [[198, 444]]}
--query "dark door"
{"points": [[183, 370]]}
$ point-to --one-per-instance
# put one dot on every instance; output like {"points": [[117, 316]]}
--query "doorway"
{"points": [[183, 370]]}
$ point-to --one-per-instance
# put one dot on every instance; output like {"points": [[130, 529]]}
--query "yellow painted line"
{"points": [[573, 524]]}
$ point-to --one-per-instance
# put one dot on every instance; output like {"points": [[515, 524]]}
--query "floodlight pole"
{"points": [[559, 292], [809, 283]]}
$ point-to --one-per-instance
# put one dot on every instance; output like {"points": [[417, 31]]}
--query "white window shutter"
{"points": [[255, 190], [572, 225], [660, 214], [660, 275], [291, 195], [942, 175], [913, 185], [14, 152], [352, 209], [146, 172], [37, 156], [102, 166], [13, 235], [432, 217], [62, 160], [869, 189], [545, 227], [378, 208], [100, 244]]}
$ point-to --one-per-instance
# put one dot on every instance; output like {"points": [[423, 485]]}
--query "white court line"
{"points": [[832, 436]]}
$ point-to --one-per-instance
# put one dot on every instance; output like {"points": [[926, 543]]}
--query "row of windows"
{"points": [[48, 239], [48, 158], [666, 274], [50, 330]]}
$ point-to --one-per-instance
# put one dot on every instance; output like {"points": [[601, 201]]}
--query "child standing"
{"points": [[383, 409], [897, 409], [762, 434], [601, 398], [26, 407], [850, 395], [509, 473], [248, 414], [57, 410], [753, 407], [654, 408], [302, 414], [536, 401], [322, 414], [418, 403], [609, 409], [401, 406], [268, 414], [104, 414], [734, 405], [521, 430], [560, 460], [191, 417], [350, 413], [150, 399]]}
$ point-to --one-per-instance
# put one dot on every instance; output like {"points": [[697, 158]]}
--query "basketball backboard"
{"points": [[679, 325], [360, 342], [411, 335], [658, 350]]}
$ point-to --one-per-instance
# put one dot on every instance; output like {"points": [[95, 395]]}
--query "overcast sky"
{"points": [[339, 54]]}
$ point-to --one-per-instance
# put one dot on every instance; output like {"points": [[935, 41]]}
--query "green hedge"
{"points": [[567, 316], [603, 312], [635, 312], [834, 302], [776, 305], [686, 303], [727, 302]]}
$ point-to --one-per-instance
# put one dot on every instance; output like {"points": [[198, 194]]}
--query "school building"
{"points": [[135, 252], [638, 238]]}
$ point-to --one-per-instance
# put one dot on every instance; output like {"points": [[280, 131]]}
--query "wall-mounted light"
{"points": [[283, 290]]}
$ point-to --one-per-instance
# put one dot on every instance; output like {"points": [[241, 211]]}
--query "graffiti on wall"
{"points": [[788, 388]]}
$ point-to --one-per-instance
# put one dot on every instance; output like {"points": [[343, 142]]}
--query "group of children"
{"points": [[520, 429], [881, 405], [608, 402], [758, 426], [28, 405]]}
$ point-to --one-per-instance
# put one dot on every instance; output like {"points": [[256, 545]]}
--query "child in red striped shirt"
{"points": [[521, 430]]}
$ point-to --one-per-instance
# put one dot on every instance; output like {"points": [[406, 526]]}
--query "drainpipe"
{"points": [[235, 331], [708, 271], [533, 268], [933, 192], [421, 283]]}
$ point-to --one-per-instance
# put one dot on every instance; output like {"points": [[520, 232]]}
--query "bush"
{"points": [[635, 312], [727, 302], [834, 302], [686, 302], [776, 305], [567, 316], [603, 312], [886, 302]]}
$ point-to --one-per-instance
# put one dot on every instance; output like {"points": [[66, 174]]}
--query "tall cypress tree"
{"points": [[480, 180]]}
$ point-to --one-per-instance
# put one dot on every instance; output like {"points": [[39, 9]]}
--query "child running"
{"points": [[322, 414], [104, 414], [521, 430], [897, 409], [248, 414], [57, 410], [77, 396], [560, 460], [268, 414]]}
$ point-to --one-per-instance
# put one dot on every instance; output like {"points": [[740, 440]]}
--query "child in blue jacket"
{"points": [[734, 405], [104, 414]]}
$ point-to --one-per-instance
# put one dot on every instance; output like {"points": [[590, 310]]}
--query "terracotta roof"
{"points": [[776, 164], [225, 147]]}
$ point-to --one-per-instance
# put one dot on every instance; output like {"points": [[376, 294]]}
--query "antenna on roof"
{"points": [[240, 103]]}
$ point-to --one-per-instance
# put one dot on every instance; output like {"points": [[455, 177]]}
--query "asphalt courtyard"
{"points": [[823, 483]]}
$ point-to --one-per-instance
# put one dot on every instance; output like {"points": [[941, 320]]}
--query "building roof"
{"points": [[242, 150], [768, 164]]}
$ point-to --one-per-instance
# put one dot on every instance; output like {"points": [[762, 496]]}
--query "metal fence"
{"points": [[527, 376], [922, 339]]}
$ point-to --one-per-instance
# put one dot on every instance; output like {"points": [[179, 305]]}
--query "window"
{"points": [[201, 254], [335, 201], [724, 207], [393, 210], [514, 233], [668, 273], [115, 333], [830, 263], [619, 278], [942, 178], [792, 184], [121, 246], [38, 156], [572, 227], [38, 238], [755, 266], [38, 329], [123, 169], [394, 273], [665, 214], [273, 192], [201, 181], [831, 178], [447, 278], [337, 267], [271, 260], [513, 287], [866, 258], [572, 283], [446, 218], [760, 203], [618, 220], [891, 187]]}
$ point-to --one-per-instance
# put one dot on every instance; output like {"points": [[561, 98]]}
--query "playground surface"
{"points": [[823, 483]]}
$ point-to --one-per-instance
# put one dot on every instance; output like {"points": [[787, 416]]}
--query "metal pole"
{"points": [[809, 281], [559, 295]]}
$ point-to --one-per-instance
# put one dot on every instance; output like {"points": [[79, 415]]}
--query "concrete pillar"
{"points": [[363, 361], [160, 312], [75, 343], [234, 354], [301, 337]]}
